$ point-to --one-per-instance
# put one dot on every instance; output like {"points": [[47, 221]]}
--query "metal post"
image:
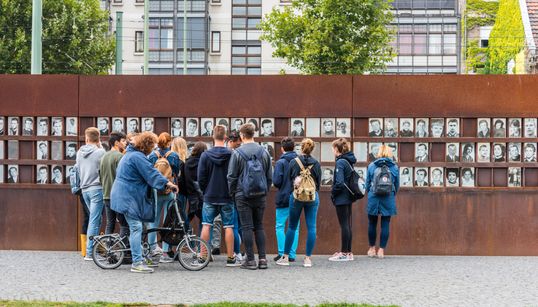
{"points": [[119, 45], [37, 29], [146, 36], [184, 37]]}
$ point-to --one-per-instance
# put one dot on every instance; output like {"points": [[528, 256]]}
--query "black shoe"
{"points": [[215, 251], [291, 259], [277, 257], [262, 264], [249, 265]]}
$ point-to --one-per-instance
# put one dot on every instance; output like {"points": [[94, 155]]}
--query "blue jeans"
{"points": [[237, 238], [135, 238], [282, 215], [311, 213], [94, 203], [163, 202]]}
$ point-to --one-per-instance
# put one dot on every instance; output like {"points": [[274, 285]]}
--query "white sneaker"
{"points": [[339, 257], [141, 267], [166, 259], [156, 252], [88, 258], [239, 257], [350, 257], [307, 263]]}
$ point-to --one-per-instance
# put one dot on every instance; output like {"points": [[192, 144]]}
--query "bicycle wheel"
{"points": [[108, 252], [193, 253]]}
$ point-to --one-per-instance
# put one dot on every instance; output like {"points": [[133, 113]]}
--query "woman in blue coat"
{"points": [[384, 206], [132, 193]]}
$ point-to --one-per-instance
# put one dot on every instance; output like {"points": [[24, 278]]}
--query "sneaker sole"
{"points": [[143, 272], [283, 264], [233, 265], [249, 268], [339, 260], [307, 265]]}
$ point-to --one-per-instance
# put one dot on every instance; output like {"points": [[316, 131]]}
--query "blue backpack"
{"points": [[253, 182], [74, 180]]}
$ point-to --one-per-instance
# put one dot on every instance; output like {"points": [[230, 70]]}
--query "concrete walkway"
{"points": [[400, 280]]}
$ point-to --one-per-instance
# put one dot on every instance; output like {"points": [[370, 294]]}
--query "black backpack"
{"points": [[355, 184], [382, 182], [253, 182]]}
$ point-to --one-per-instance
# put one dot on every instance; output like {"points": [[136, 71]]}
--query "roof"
{"points": [[532, 9], [529, 15]]}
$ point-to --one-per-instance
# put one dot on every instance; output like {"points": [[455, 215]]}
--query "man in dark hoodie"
{"points": [[285, 187], [212, 172]]}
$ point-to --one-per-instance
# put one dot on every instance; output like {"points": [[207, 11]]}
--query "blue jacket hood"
{"points": [[349, 156], [289, 155], [219, 155], [384, 161]]}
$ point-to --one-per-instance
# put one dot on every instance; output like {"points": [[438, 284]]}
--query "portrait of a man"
{"points": [[530, 127], [207, 127], [484, 152], [529, 152], [436, 177], [375, 127], [327, 176], [57, 126], [28, 126], [12, 174], [391, 127], [343, 127], [57, 175], [327, 127], [192, 127], [237, 123], [297, 127], [133, 125], [13, 126], [422, 152], [42, 174], [421, 127], [421, 177], [71, 126], [118, 124], [514, 152], [453, 127], [148, 124], [437, 127], [406, 127], [42, 150], [176, 124], [267, 128], [514, 177], [452, 152], [70, 150], [42, 126]]}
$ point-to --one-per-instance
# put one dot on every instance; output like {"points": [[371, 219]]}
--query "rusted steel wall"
{"points": [[487, 220]]}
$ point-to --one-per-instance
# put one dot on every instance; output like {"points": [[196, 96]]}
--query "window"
{"points": [[449, 44], [196, 39], [246, 14], [484, 43], [215, 41], [435, 44], [246, 58], [406, 44], [117, 1], [139, 41], [420, 44], [161, 39]]}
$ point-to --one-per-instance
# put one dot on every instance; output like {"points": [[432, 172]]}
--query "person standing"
{"points": [[284, 184], [341, 196], [192, 188], [88, 160], [249, 179], [381, 202]]}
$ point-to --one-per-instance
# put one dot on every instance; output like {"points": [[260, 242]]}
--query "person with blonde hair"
{"points": [[179, 146], [130, 196], [380, 202]]}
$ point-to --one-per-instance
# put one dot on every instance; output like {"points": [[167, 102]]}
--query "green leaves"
{"points": [[331, 36]]}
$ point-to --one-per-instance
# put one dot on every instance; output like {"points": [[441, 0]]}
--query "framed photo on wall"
{"points": [[499, 152], [467, 152], [406, 127], [42, 126], [421, 177], [313, 127], [327, 174], [375, 127], [56, 174], [328, 128], [42, 174], [133, 125], [421, 127], [530, 127], [514, 177], [13, 126], [483, 128], [514, 127], [148, 124], [236, 123], [192, 128], [437, 127], [406, 176], [297, 127], [256, 123], [12, 174], [452, 177], [56, 151], [436, 177], [42, 150], [343, 127], [484, 152], [57, 126], [452, 152], [71, 126], [267, 127], [223, 122], [514, 152], [453, 127], [176, 126], [391, 127], [467, 177], [360, 149], [422, 152], [118, 124], [103, 124], [529, 152], [207, 127], [13, 149], [27, 126], [499, 127]]}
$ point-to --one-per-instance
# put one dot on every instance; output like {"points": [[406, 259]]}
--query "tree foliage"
{"points": [[480, 13], [331, 36], [75, 39]]}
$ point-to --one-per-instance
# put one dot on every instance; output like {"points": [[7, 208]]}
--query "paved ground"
{"points": [[401, 280]]}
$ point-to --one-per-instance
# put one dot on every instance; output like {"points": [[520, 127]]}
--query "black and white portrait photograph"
{"points": [[530, 127], [407, 127], [71, 126], [2, 126], [343, 127], [68, 169], [421, 177], [437, 127], [529, 152], [467, 152], [453, 127], [421, 127], [360, 149], [42, 174], [56, 152], [27, 126], [361, 171], [236, 123], [327, 175], [13, 150], [57, 126], [499, 127], [436, 177], [256, 123], [313, 127], [12, 174], [514, 152], [176, 127], [56, 174], [207, 127], [70, 150], [484, 152], [483, 128], [467, 177], [327, 154], [103, 124], [133, 125], [270, 148], [42, 126], [514, 177], [148, 124], [42, 150], [297, 127], [223, 122], [13, 126], [514, 127], [406, 176], [422, 152], [391, 127], [394, 147], [267, 127], [452, 177], [452, 152], [328, 127], [118, 124], [373, 150], [499, 152], [375, 127], [192, 129]]}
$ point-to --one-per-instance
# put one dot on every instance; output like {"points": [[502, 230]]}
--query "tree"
{"points": [[331, 36], [75, 37]]}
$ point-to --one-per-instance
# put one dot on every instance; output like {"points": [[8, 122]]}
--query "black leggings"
{"points": [[372, 230], [344, 218]]}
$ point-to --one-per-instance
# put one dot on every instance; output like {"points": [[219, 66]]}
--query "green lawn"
{"points": [[105, 304]]}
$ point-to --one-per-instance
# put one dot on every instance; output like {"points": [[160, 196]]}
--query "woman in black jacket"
{"points": [[192, 189]]}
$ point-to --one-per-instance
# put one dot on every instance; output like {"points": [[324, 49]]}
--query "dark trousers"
{"points": [[111, 217], [344, 218], [372, 230], [85, 215], [251, 217]]}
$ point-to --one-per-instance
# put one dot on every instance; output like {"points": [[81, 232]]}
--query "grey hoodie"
{"points": [[88, 161]]}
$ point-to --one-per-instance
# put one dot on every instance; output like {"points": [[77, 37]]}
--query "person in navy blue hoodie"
{"points": [[384, 206], [341, 196], [284, 185], [212, 177]]}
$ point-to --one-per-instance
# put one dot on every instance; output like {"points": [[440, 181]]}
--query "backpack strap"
{"points": [[242, 154], [299, 163], [158, 154], [167, 154]]}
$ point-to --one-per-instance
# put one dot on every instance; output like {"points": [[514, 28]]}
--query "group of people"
{"points": [[228, 183]]}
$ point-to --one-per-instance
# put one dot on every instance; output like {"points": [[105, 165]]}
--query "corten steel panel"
{"points": [[445, 96], [38, 219], [46, 95], [216, 96]]}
